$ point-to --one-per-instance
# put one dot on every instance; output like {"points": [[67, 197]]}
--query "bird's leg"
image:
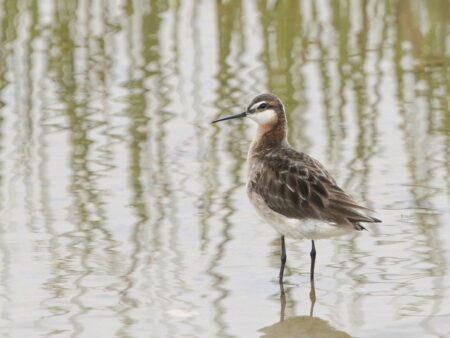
{"points": [[313, 260], [283, 259]]}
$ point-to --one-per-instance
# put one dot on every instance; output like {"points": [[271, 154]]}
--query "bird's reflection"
{"points": [[301, 326]]}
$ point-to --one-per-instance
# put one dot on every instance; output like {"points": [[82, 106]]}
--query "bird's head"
{"points": [[266, 110]]}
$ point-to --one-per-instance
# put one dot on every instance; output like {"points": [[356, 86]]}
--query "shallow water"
{"points": [[124, 213]]}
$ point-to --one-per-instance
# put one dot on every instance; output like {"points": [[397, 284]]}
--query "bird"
{"points": [[291, 190]]}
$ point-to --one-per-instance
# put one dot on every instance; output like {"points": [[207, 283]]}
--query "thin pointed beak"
{"points": [[236, 116]]}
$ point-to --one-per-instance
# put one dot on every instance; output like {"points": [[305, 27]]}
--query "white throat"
{"points": [[268, 116]]}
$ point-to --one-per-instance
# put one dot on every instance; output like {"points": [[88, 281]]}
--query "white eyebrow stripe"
{"points": [[257, 104]]}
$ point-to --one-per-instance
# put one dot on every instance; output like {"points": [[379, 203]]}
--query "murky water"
{"points": [[124, 213]]}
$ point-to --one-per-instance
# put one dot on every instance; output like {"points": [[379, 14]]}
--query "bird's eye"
{"points": [[262, 106]]}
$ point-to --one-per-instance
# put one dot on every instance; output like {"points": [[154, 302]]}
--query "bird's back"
{"points": [[295, 185]]}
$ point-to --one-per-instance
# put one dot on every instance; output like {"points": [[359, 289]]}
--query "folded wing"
{"points": [[297, 186]]}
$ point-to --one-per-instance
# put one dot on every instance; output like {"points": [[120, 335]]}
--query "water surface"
{"points": [[124, 213]]}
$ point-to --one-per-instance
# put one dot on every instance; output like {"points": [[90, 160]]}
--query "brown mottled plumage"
{"points": [[292, 191], [297, 186]]}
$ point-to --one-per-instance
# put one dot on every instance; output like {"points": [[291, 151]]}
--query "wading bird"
{"points": [[292, 191]]}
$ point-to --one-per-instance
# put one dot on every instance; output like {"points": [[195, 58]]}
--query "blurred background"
{"points": [[123, 211]]}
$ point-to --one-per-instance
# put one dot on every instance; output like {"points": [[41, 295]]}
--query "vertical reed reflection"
{"points": [[423, 161], [138, 131], [80, 84], [5, 256], [230, 36], [8, 34]]}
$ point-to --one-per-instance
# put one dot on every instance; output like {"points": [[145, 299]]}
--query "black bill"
{"points": [[236, 116]]}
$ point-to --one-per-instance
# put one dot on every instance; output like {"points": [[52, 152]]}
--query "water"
{"points": [[124, 213]]}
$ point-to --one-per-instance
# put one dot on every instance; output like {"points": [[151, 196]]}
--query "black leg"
{"points": [[313, 260], [283, 259]]}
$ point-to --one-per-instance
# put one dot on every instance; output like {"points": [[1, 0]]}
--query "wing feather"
{"points": [[297, 186]]}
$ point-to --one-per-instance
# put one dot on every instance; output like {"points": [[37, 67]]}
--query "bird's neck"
{"points": [[269, 136]]}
